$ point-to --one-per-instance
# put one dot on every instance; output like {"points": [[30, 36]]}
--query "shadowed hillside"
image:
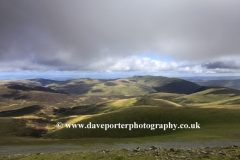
{"points": [[168, 85], [24, 87], [20, 112], [182, 87]]}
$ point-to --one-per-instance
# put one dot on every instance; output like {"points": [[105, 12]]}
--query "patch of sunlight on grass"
{"points": [[80, 118], [124, 102], [166, 101], [222, 106]]}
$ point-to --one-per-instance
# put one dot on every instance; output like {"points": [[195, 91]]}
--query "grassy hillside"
{"points": [[211, 98], [155, 102], [113, 105], [213, 122], [166, 96], [38, 104], [18, 127], [24, 96]]}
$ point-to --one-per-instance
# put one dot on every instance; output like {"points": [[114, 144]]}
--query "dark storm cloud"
{"points": [[222, 64], [76, 35]]}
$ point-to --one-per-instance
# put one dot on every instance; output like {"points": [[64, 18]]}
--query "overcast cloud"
{"points": [[87, 35]]}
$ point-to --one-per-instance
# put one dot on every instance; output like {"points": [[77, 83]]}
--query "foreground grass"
{"points": [[151, 153], [216, 124]]}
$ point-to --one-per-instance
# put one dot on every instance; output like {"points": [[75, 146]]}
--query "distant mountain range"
{"points": [[235, 83], [137, 85]]}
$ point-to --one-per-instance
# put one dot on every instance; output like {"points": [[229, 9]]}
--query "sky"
{"points": [[120, 37]]}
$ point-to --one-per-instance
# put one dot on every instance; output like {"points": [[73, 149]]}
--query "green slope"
{"points": [[211, 98], [12, 128], [155, 102], [213, 123], [115, 105]]}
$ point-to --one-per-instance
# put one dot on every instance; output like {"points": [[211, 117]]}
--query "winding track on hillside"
{"points": [[6, 151]]}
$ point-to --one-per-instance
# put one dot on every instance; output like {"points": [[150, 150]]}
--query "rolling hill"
{"points": [[137, 85]]}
